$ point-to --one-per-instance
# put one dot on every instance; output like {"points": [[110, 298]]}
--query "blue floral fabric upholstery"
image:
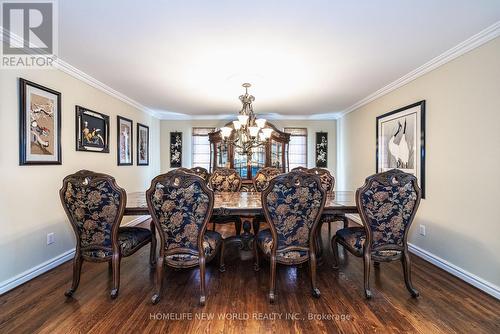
{"points": [[94, 208], [388, 208], [225, 180], [181, 206], [129, 238], [327, 179], [354, 237], [265, 241], [293, 204]]}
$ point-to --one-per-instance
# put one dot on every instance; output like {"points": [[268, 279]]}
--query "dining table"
{"points": [[247, 204]]}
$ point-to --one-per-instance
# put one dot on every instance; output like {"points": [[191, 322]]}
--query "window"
{"points": [[297, 148], [201, 147]]}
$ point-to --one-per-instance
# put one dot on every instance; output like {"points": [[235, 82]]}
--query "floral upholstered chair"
{"points": [[94, 204], [226, 180], [181, 205], [292, 204], [263, 176], [260, 182], [387, 204], [328, 183], [201, 172]]}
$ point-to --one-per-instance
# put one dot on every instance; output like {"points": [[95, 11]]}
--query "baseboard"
{"points": [[456, 271], [464, 275], [137, 221], [31, 273]]}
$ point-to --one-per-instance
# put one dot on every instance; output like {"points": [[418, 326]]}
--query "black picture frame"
{"points": [[419, 140], [37, 131], [142, 148], [126, 140], [321, 149], [175, 149], [99, 125]]}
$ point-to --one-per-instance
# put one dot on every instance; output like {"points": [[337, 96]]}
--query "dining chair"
{"points": [[387, 204], [181, 205], [292, 204], [260, 182], [94, 204], [226, 180]]}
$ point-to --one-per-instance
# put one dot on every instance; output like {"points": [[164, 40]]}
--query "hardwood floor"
{"points": [[237, 299]]}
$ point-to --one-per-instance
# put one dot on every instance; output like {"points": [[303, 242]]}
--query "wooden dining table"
{"points": [[246, 204]]}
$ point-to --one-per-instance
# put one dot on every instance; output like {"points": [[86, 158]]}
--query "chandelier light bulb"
{"points": [[243, 119], [261, 122], [254, 131], [226, 131], [237, 125]]}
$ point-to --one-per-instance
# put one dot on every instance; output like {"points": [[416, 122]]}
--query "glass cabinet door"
{"points": [[258, 160], [241, 164], [276, 154], [222, 155]]}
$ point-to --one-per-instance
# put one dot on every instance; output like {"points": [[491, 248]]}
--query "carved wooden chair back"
{"points": [[387, 204], [181, 205], [299, 169], [94, 204], [225, 180], [327, 179], [201, 172], [263, 176]]}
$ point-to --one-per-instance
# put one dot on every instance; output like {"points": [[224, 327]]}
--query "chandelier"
{"points": [[248, 132]]}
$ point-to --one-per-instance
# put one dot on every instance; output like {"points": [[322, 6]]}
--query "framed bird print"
{"points": [[40, 125], [124, 141], [321, 149], [175, 149], [142, 145], [401, 141], [92, 131]]}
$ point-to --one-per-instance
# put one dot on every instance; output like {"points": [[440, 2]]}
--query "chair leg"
{"points": [[202, 282], [255, 227], [335, 249], [152, 252], [329, 228], [319, 243], [256, 264], [237, 227], [406, 261], [159, 281], [222, 266], [77, 270], [272, 283], [312, 269], [110, 267], [115, 262], [346, 221], [366, 278]]}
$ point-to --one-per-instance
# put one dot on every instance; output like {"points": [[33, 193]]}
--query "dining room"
{"points": [[250, 167]]}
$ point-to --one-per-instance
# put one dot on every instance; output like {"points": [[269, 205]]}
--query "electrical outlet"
{"points": [[51, 238], [422, 230]]}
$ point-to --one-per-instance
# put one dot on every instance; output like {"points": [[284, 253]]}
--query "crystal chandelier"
{"points": [[248, 132]]}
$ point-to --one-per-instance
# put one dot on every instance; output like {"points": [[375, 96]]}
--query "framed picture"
{"points": [[142, 145], [92, 131], [175, 149], [124, 141], [321, 149], [40, 125], [401, 141]]}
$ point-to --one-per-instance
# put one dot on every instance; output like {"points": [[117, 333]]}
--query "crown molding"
{"points": [[469, 44], [171, 116], [90, 80]]}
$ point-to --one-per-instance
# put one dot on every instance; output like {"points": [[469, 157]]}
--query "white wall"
{"points": [[186, 127], [29, 201], [462, 158]]}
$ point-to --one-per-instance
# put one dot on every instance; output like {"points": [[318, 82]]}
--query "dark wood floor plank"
{"points": [[236, 298]]}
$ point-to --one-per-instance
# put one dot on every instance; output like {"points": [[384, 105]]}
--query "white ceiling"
{"points": [[189, 58]]}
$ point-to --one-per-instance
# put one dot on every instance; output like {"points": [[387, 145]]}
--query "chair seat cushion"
{"points": [[129, 238], [355, 238], [265, 242], [211, 243]]}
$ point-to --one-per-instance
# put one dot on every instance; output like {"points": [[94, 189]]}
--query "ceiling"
{"points": [[188, 59]]}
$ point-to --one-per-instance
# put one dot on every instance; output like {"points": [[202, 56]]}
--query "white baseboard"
{"points": [[31, 273], [456, 271], [463, 274]]}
